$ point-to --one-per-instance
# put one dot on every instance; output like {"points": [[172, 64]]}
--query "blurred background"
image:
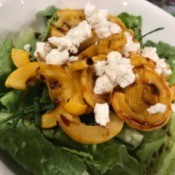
{"points": [[167, 5]]}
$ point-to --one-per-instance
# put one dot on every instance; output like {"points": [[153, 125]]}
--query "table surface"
{"points": [[167, 5]]}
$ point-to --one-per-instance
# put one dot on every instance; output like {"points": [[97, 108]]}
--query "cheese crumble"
{"points": [[101, 112], [97, 18], [161, 66], [157, 108], [115, 71]]}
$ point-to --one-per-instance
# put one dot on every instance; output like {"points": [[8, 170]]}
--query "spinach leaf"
{"points": [[6, 64], [132, 22]]}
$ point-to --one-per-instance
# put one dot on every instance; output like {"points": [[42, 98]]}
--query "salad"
{"points": [[88, 96]]}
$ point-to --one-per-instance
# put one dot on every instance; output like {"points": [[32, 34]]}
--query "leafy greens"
{"points": [[6, 64], [50, 17], [51, 151], [132, 22]]}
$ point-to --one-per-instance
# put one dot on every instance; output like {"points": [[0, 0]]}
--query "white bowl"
{"points": [[17, 15]]}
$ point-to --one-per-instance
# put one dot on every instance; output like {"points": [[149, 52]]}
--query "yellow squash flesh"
{"points": [[78, 65], [87, 84], [137, 60], [55, 77], [76, 104], [90, 134], [172, 90], [104, 46], [18, 79], [58, 81], [20, 57], [67, 19], [131, 103], [49, 119]]}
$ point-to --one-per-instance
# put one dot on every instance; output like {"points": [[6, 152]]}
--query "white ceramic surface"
{"points": [[17, 15]]}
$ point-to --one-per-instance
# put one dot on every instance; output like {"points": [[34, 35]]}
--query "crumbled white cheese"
{"points": [[80, 33], [27, 47], [102, 114], [116, 71], [114, 28], [62, 43], [73, 58], [99, 67], [150, 52], [103, 85], [42, 49], [68, 44], [95, 16], [98, 20], [119, 70], [73, 38], [161, 66], [130, 46], [57, 58], [157, 108], [173, 107], [113, 56]]}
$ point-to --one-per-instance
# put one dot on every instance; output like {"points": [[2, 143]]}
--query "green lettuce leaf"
{"points": [[6, 64], [113, 158], [11, 100], [48, 12], [107, 158], [35, 154], [167, 52], [28, 37], [157, 152], [132, 22], [164, 50], [166, 160], [50, 17]]}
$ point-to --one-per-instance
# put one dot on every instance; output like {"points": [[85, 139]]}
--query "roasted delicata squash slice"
{"points": [[138, 60], [118, 21], [131, 103], [19, 78], [78, 65], [99, 58], [76, 104], [95, 39], [20, 57], [172, 90], [58, 81], [67, 19], [85, 63], [88, 42], [114, 42], [87, 83], [86, 134], [49, 119], [55, 32]]}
